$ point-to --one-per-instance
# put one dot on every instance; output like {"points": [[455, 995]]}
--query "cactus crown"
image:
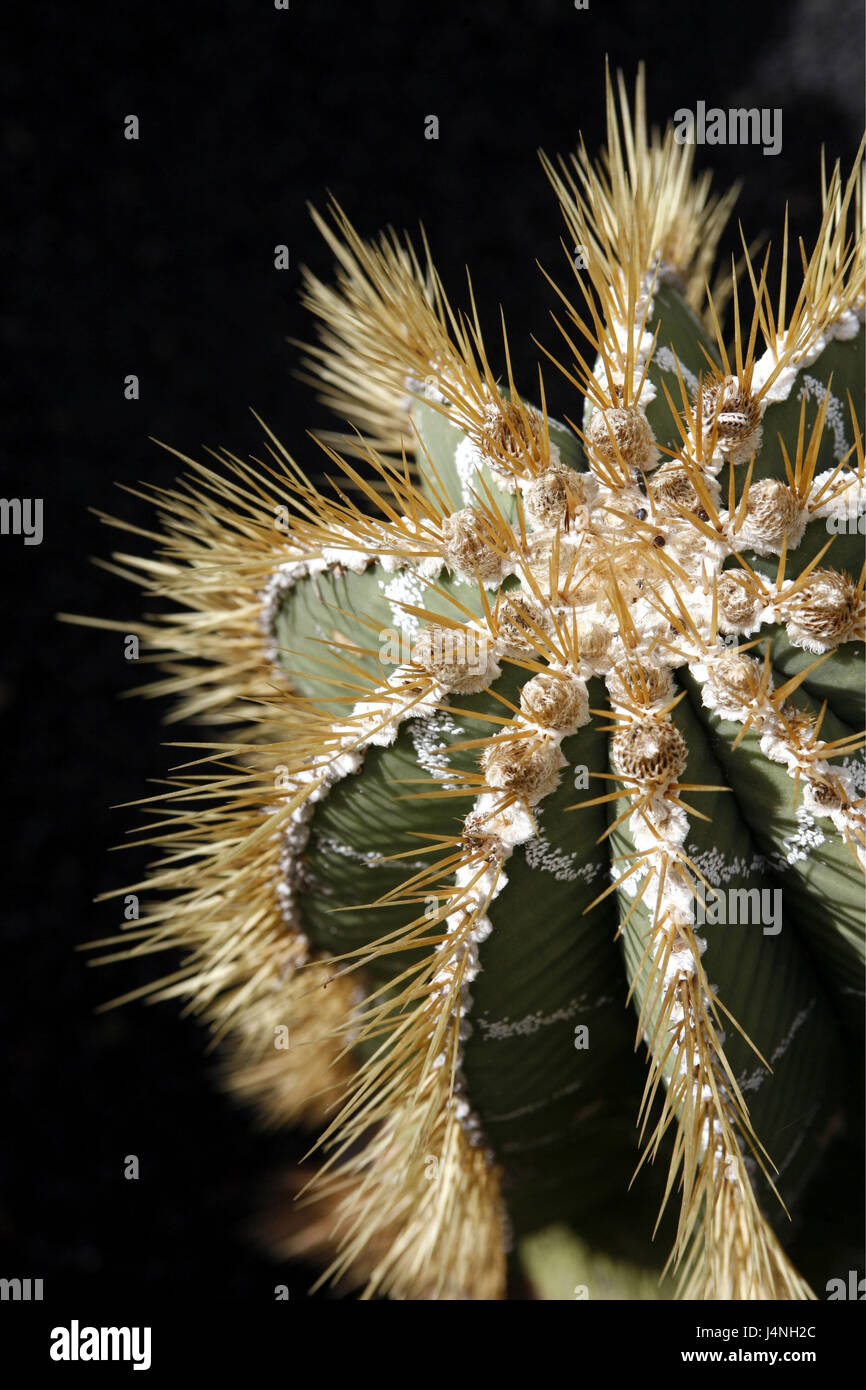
{"points": [[663, 593]]}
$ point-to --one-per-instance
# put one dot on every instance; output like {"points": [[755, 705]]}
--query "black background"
{"points": [[157, 257]]}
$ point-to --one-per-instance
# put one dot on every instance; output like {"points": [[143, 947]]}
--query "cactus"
{"points": [[527, 721]]}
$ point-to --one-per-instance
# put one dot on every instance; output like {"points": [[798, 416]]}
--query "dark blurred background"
{"points": [[156, 257]]}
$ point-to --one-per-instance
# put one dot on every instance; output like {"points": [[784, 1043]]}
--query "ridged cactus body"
{"points": [[551, 747]]}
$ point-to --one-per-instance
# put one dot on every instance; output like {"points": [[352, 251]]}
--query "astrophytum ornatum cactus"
{"points": [[532, 721]]}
